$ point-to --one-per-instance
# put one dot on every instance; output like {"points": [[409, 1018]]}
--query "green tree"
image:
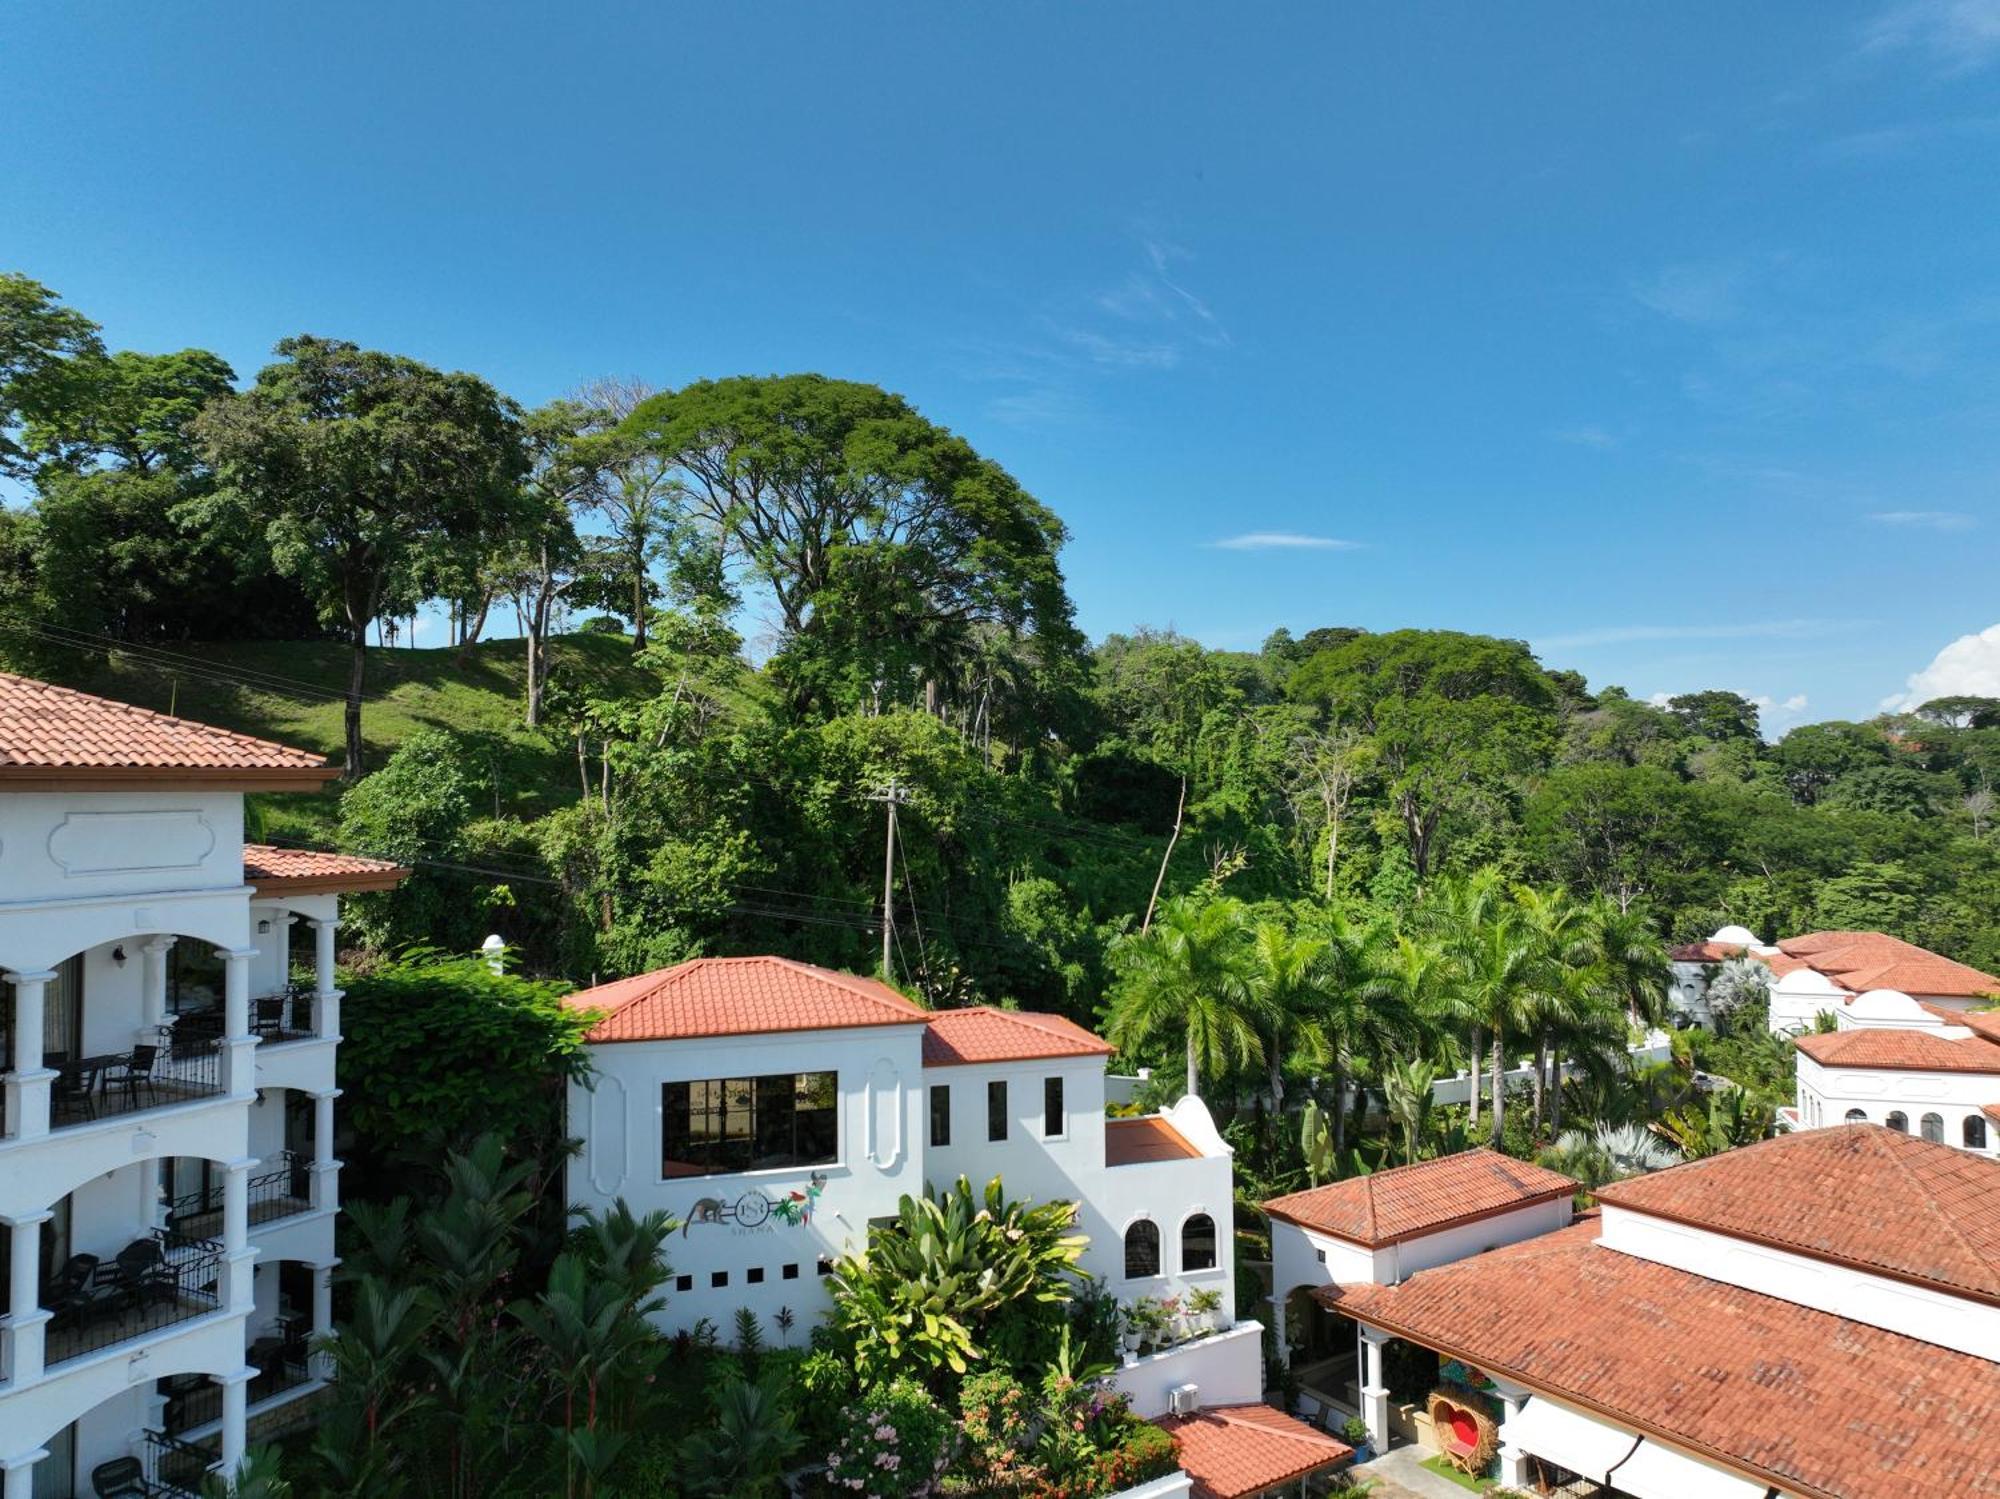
{"points": [[1189, 975], [42, 346], [358, 469]]}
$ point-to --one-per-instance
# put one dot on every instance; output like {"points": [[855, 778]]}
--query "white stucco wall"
{"points": [[1826, 1094], [1935, 1316], [1227, 1367], [70, 844], [1309, 1258]]}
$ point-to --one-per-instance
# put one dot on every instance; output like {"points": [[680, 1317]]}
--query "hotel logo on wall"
{"points": [[754, 1211]]}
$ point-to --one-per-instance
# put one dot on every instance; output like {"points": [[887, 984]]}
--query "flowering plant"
{"points": [[896, 1448]]}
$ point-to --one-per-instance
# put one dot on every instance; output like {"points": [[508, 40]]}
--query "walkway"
{"points": [[1400, 1474]]}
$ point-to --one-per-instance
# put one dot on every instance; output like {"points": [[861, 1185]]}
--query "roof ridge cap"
{"points": [[875, 991], [1907, 1168]]}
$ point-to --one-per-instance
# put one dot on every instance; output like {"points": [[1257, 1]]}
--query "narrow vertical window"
{"points": [[940, 1115], [1052, 1107], [996, 1109]]}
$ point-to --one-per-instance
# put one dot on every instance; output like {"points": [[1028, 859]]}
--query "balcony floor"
{"points": [[67, 1113], [108, 1329]]}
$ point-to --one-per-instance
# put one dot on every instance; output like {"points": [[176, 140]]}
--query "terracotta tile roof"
{"points": [[1990, 1110], [1706, 952], [1132, 1142], [1985, 1023], [55, 736], [1232, 1451], [1803, 1400], [1861, 961], [308, 871], [981, 1033], [1407, 1201], [1861, 1195], [739, 997], [1901, 1050]]}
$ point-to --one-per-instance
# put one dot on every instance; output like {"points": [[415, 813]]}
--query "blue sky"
{"points": [[1667, 337]]}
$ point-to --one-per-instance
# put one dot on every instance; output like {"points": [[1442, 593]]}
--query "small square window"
{"points": [[1320, 1255], [791, 1272], [683, 1282], [719, 1279], [755, 1275], [825, 1266]]}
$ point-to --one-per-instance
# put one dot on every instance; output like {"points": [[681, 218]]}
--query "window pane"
{"points": [[940, 1115], [1142, 1249], [1933, 1128], [1198, 1243], [996, 1110], [1052, 1106], [1975, 1132], [1898, 1121], [717, 1125]]}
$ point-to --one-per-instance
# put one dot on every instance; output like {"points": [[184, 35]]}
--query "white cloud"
{"points": [[1959, 34], [1585, 437], [1274, 541], [1796, 703], [1770, 629], [1927, 520], [1694, 293], [1969, 667]]}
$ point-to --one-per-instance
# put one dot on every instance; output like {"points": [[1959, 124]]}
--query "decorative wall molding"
{"points": [[98, 843]]}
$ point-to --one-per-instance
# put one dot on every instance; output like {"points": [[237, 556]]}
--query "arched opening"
{"points": [[1974, 1132], [1898, 1121], [278, 1346], [1198, 1243], [1142, 1250], [1931, 1126], [1857, 1116]]}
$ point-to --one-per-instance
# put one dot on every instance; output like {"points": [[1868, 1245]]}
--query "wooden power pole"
{"points": [[891, 798]]}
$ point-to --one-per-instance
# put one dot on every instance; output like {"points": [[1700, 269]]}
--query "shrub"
{"points": [[996, 1415], [896, 1445]]}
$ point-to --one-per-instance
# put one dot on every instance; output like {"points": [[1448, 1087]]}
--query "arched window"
{"points": [[1198, 1243], [1857, 1116], [1898, 1121], [1932, 1127], [1142, 1249], [1974, 1132]]}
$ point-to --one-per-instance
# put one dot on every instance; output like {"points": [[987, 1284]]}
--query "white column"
{"points": [[1374, 1393], [326, 996], [235, 1397], [20, 1474], [239, 1057], [239, 1292], [27, 1321], [1513, 1461], [28, 1085], [153, 985], [325, 1169], [320, 1361]]}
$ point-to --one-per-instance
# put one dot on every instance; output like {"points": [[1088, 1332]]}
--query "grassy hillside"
{"points": [[477, 690]]}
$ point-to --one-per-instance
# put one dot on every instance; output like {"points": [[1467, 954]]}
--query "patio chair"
{"points": [[74, 1091], [69, 1295], [136, 1073], [268, 1015], [121, 1478], [140, 1275]]}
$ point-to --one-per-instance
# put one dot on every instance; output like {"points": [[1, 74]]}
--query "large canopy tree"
{"points": [[887, 544], [358, 468], [41, 345]]}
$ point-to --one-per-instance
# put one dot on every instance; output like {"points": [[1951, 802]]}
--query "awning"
{"points": [[1656, 1472], [1558, 1435]]}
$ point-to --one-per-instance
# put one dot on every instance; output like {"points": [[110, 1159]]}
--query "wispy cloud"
{"points": [[1770, 629], [1696, 292], [1038, 406], [1925, 520], [1114, 351], [1279, 541], [1586, 436], [1960, 35]]}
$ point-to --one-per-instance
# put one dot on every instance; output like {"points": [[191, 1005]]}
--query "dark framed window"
{"points": [[791, 1272], [1198, 1243], [1857, 1116], [1052, 1107], [996, 1109], [1932, 1128], [194, 978], [716, 1125], [719, 1279], [683, 1282], [825, 1266], [1142, 1249], [755, 1275], [1898, 1121], [940, 1114], [1973, 1132]]}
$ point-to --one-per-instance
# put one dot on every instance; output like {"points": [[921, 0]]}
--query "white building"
{"points": [[1823, 972], [1915, 1068], [168, 1022], [777, 1110], [1732, 1328]]}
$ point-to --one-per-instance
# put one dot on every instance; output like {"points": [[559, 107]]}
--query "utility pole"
{"points": [[891, 798]]}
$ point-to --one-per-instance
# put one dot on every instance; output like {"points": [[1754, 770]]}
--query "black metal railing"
{"points": [[283, 1188], [174, 1069], [174, 1467], [152, 1283], [281, 1359]]}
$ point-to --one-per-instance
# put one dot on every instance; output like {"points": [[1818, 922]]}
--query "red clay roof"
{"points": [[1984, 1022], [1132, 1142], [1407, 1201], [308, 871], [1861, 1195], [54, 737], [739, 997], [1800, 1399], [1232, 1451], [1895, 1048], [1861, 961], [980, 1033], [1990, 1110]]}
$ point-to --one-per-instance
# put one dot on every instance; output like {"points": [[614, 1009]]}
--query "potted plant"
{"points": [[1356, 1433], [1132, 1325], [1147, 1314], [1172, 1327], [1204, 1309]]}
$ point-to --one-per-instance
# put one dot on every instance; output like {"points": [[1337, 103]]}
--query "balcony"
{"points": [[174, 1069], [283, 1189], [281, 1359], [151, 1284]]}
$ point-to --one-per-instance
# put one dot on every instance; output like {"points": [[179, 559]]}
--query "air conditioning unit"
{"points": [[1184, 1400]]}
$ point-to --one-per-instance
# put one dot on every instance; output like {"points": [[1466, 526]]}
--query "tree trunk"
{"points": [[1541, 1072], [1499, 1083], [1339, 1102], [357, 674], [639, 601], [1332, 847], [1475, 1051], [1192, 1079], [1555, 1090]]}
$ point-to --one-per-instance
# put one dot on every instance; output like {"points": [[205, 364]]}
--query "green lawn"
{"points": [[1444, 1469]]}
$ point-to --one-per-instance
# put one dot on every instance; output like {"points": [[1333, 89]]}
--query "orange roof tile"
{"points": [[1861, 1194], [1800, 1399], [1407, 1201], [1896, 1049], [1232, 1451], [1985, 1023], [1990, 1110], [1861, 961], [300, 871], [981, 1033], [1132, 1142], [53, 737], [739, 997]]}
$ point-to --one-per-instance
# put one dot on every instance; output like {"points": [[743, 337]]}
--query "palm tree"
{"points": [[1286, 979], [1406, 1093], [1188, 973], [1625, 945], [1499, 957], [1566, 987], [1457, 910], [1609, 1153]]}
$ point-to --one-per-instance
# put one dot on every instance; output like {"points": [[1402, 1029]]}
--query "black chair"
{"points": [[71, 1293], [140, 1276], [136, 1073], [121, 1478], [74, 1091], [268, 1015]]}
